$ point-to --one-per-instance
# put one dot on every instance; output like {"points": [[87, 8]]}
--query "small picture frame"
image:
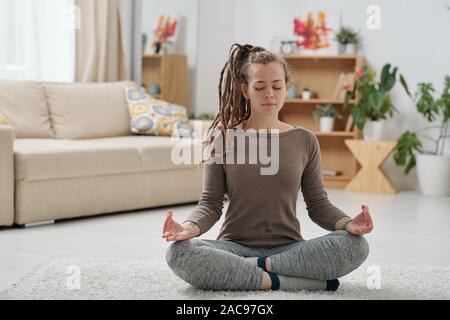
{"points": [[288, 47]]}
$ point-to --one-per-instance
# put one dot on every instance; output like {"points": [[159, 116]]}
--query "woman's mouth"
{"points": [[269, 104]]}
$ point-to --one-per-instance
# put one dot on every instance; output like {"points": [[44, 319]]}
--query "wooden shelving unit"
{"points": [[171, 73], [321, 74], [317, 101], [345, 134]]}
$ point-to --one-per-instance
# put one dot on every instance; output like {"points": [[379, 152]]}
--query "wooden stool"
{"points": [[371, 155]]}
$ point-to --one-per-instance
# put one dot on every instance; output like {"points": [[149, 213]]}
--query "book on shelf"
{"points": [[346, 82], [349, 124]]}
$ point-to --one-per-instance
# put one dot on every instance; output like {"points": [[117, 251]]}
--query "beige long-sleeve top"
{"points": [[262, 208]]}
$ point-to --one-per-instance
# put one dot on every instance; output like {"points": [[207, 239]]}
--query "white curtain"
{"points": [[108, 43], [37, 40]]}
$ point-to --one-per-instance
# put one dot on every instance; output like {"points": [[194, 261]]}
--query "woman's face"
{"points": [[266, 88]]}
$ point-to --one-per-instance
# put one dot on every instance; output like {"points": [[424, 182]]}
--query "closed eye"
{"points": [[259, 89]]}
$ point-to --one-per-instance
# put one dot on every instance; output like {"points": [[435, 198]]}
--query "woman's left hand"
{"points": [[361, 224]]}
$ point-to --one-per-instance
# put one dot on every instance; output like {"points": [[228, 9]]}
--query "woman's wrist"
{"points": [[342, 223], [189, 225]]}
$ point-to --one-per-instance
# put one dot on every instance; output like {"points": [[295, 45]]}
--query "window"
{"points": [[37, 40]]}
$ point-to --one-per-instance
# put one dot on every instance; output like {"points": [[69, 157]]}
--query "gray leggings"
{"points": [[218, 264]]}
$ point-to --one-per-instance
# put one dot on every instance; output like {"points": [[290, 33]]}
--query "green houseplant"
{"points": [[433, 167], [144, 42], [202, 116], [348, 39], [374, 103], [326, 113]]}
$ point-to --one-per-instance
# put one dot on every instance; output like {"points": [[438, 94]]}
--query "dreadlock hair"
{"points": [[234, 108]]}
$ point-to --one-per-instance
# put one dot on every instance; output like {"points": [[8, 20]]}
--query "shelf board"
{"points": [[152, 56], [318, 101], [318, 57], [349, 134], [337, 178]]}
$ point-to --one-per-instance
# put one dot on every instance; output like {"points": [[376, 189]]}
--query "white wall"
{"points": [[413, 36], [187, 38], [216, 33]]}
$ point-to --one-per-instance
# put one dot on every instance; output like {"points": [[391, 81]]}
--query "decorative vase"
{"points": [[433, 173], [292, 92], [154, 89], [341, 48], [157, 47], [373, 130], [326, 124], [168, 47]]}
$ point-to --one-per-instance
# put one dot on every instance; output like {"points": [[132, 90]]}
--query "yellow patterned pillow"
{"points": [[3, 120], [150, 116]]}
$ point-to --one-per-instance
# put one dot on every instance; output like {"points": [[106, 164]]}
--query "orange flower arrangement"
{"points": [[313, 33], [166, 29]]}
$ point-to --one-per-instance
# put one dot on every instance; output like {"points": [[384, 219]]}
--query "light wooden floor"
{"points": [[409, 229]]}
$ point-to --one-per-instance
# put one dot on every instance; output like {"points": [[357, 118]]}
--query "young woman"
{"points": [[260, 245]]}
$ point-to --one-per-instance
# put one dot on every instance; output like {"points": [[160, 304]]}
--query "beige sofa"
{"points": [[69, 152]]}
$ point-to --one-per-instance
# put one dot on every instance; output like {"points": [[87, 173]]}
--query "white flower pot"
{"points": [[351, 49], [373, 130], [326, 124], [433, 173], [347, 48], [306, 95]]}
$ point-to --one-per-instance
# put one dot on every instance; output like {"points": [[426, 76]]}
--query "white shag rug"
{"points": [[57, 278]]}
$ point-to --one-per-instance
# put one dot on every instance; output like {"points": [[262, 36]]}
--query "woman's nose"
{"points": [[269, 95]]}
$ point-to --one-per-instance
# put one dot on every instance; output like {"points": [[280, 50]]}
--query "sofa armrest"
{"points": [[6, 176]]}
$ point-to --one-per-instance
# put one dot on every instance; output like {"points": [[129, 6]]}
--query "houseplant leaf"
{"points": [[404, 151]]}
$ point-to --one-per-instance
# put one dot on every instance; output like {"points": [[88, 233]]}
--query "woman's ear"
{"points": [[244, 89]]}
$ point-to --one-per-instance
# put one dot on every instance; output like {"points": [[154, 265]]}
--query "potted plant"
{"points": [[306, 94], [347, 39], [144, 43], [433, 167], [326, 113], [374, 103]]}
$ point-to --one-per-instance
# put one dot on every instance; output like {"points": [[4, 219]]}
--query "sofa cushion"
{"points": [[156, 152], [42, 159], [23, 103], [88, 110], [151, 116]]}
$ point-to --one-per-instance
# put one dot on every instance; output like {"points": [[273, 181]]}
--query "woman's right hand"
{"points": [[173, 231]]}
